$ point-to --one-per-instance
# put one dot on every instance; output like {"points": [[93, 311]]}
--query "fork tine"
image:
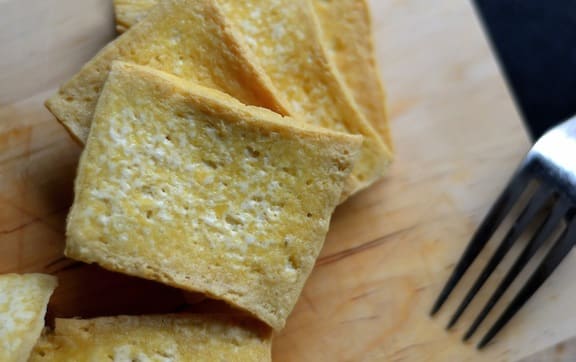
{"points": [[527, 215], [554, 257], [494, 217], [542, 234]]}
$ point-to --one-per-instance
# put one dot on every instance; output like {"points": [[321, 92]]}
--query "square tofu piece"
{"points": [[158, 338], [23, 301], [285, 40], [187, 186], [187, 38]]}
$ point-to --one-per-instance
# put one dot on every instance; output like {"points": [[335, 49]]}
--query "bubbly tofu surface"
{"points": [[185, 185], [156, 338], [23, 300]]}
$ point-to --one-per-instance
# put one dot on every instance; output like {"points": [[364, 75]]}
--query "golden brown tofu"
{"points": [[23, 301], [284, 38], [187, 186], [156, 338], [187, 38], [346, 28], [347, 35]]}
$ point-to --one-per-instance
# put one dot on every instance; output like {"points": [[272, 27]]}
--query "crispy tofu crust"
{"points": [[312, 75], [187, 38], [346, 28], [285, 40], [187, 186], [23, 301], [158, 338], [347, 35]]}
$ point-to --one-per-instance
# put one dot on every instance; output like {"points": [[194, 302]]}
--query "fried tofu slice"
{"points": [[23, 301], [284, 38], [175, 337], [188, 38], [187, 186], [347, 35], [346, 29], [129, 12]]}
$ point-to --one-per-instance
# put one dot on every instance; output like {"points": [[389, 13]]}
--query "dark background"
{"points": [[535, 41]]}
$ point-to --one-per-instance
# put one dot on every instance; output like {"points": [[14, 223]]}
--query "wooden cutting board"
{"points": [[458, 139]]}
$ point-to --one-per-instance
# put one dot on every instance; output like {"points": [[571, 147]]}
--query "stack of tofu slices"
{"points": [[219, 136]]}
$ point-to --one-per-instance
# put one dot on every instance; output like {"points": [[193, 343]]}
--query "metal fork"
{"points": [[552, 163]]}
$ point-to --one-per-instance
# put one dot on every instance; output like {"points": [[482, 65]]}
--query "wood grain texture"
{"points": [[390, 248]]}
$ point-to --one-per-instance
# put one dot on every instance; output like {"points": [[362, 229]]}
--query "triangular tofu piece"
{"points": [[284, 38], [23, 301], [182, 337], [129, 12], [187, 186], [188, 38], [346, 28]]}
